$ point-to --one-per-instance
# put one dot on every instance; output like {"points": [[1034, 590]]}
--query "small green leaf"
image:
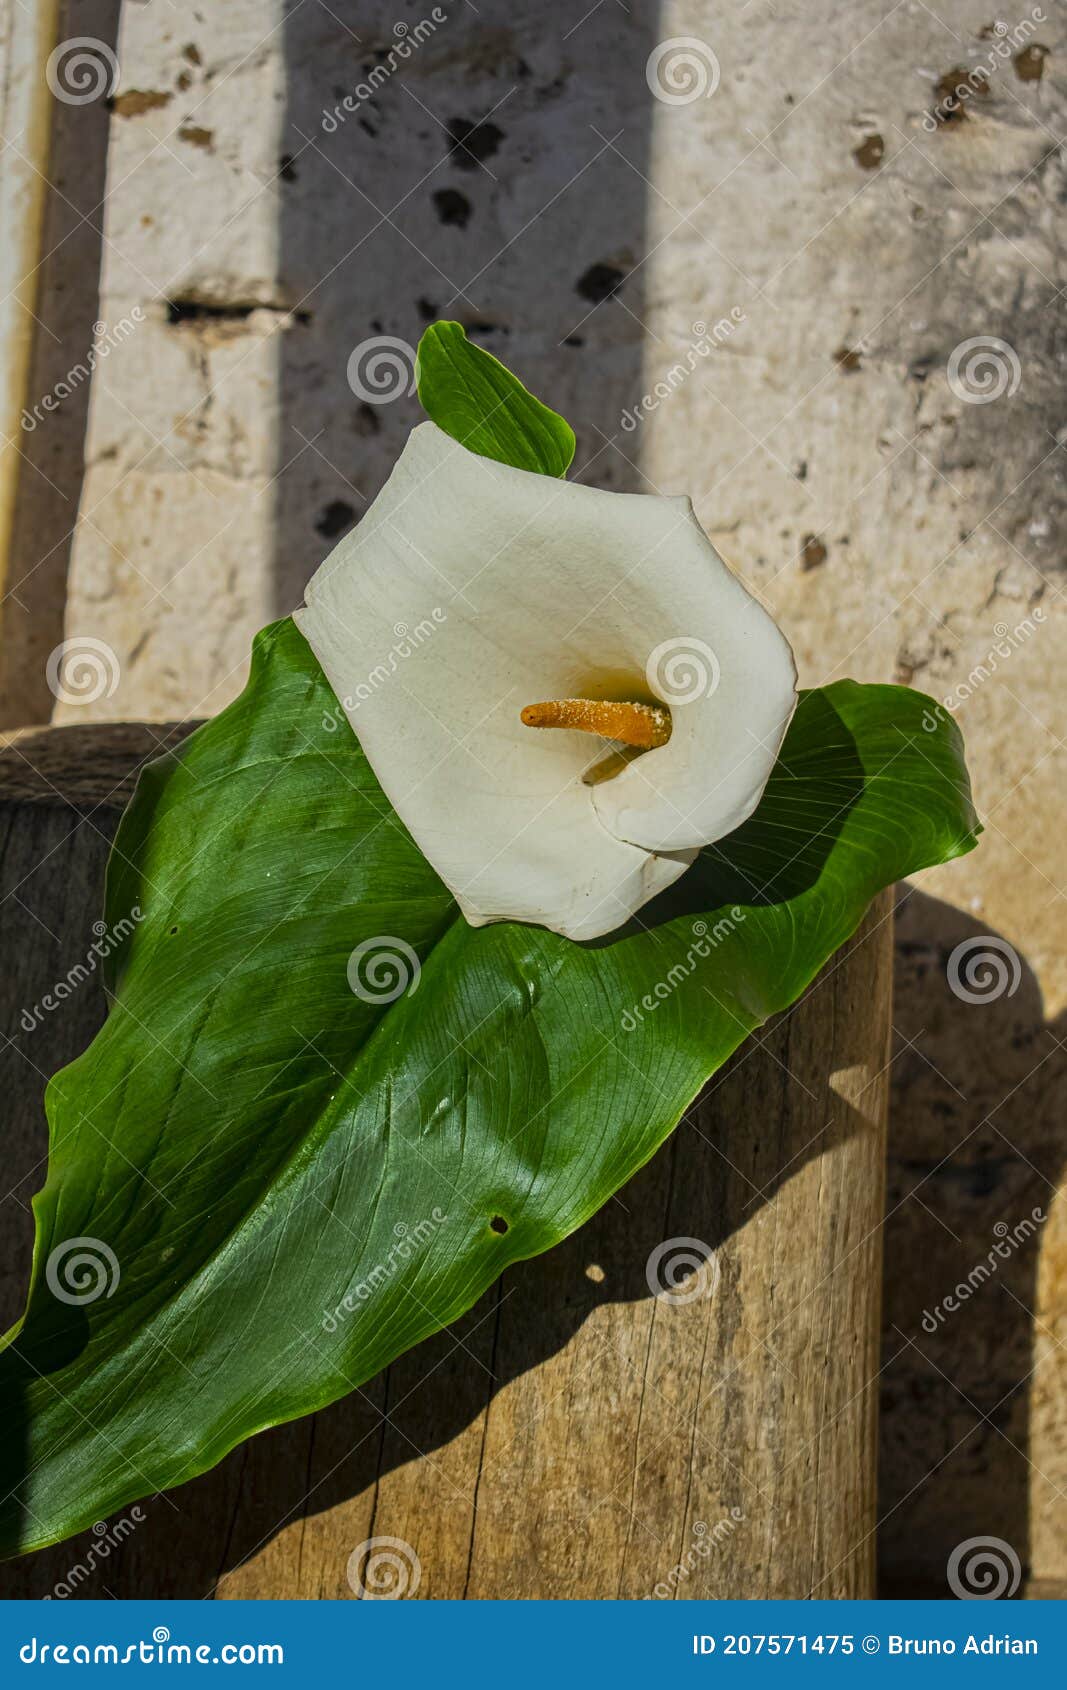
{"points": [[473, 397]]}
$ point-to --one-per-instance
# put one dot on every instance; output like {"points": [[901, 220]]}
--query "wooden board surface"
{"points": [[573, 1435]]}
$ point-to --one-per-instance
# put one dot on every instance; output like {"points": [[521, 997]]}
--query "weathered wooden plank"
{"points": [[573, 1435]]}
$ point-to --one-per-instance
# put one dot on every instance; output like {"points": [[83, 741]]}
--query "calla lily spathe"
{"points": [[540, 589]]}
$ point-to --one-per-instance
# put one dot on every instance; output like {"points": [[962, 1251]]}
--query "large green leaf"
{"points": [[476, 399], [253, 1141]]}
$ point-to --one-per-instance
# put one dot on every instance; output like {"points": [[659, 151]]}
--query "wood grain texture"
{"points": [[573, 1435]]}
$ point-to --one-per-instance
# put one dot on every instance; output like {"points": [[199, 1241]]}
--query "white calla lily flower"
{"points": [[531, 608]]}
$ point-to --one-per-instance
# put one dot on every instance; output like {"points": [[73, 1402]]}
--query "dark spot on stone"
{"points": [[197, 137], [1030, 63], [482, 331], [138, 100], [870, 152], [183, 81], [286, 168], [367, 421], [920, 368], [522, 70], [600, 282], [847, 358], [473, 143], [335, 519], [801, 471], [376, 325], [365, 124], [499, 1224], [192, 54], [789, 100], [955, 89], [452, 207], [427, 310], [574, 340], [196, 311], [812, 552]]}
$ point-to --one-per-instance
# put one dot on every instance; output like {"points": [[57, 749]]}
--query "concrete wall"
{"points": [[875, 442]]}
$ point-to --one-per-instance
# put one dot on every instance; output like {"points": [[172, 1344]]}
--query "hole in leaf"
{"points": [[499, 1224]]}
